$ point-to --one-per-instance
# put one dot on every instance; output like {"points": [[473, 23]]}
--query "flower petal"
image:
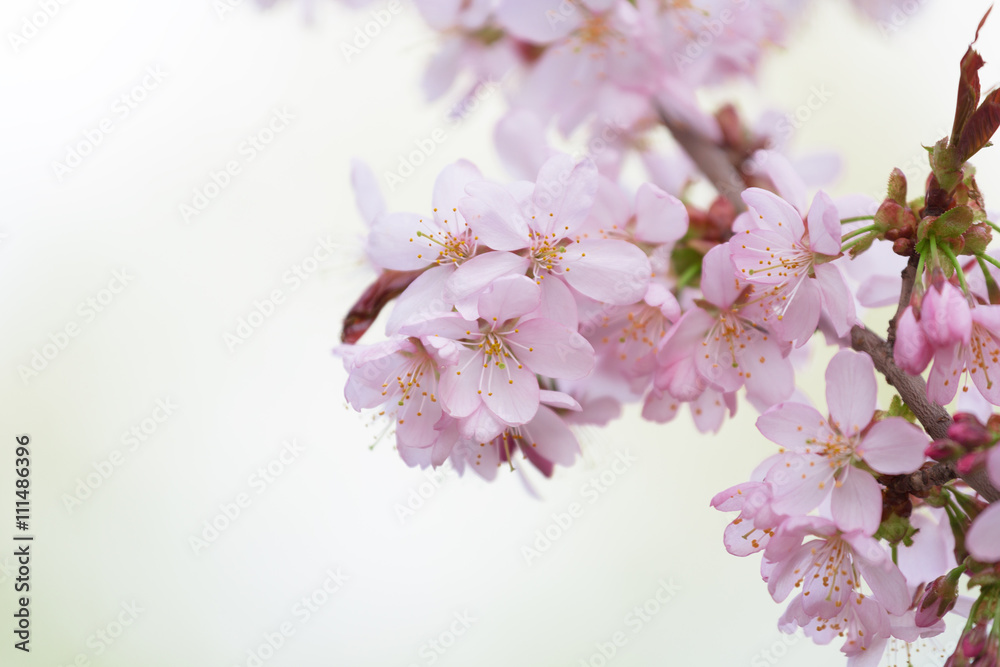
{"points": [[851, 391], [508, 298], [659, 217], [791, 425], [838, 303], [393, 243], [856, 502], [893, 446], [494, 215], [983, 538], [551, 349], [449, 190], [774, 213], [564, 194], [608, 270], [479, 272], [511, 393], [824, 226]]}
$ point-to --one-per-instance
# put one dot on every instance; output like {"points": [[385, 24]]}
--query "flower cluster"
{"points": [[525, 308]]}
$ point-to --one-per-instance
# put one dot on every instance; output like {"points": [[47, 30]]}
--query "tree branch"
{"points": [[911, 388], [909, 276], [931, 416], [711, 159]]}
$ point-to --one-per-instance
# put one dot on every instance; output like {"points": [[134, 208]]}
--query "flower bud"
{"points": [[974, 641], [977, 237], [911, 350], [968, 431], [970, 462], [945, 315], [938, 599], [903, 247], [897, 187], [944, 450]]}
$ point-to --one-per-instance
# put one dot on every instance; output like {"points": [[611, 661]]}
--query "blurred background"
{"points": [[178, 246]]}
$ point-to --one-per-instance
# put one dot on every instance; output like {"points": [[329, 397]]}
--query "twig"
{"points": [[909, 276], [711, 159], [913, 391]]}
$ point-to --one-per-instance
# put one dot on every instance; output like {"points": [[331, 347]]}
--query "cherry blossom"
{"points": [[820, 454]]}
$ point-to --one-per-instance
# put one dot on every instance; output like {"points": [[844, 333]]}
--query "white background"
{"points": [[334, 506]]}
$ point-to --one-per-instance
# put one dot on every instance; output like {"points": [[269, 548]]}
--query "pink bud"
{"points": [[974, 641], [937, 600], [967, 430], [945, 316], [970, 462], [911, 351], [944, 450]]}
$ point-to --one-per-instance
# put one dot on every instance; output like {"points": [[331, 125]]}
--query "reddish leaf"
{"points": [[968, 92], [386, 287], [981, 126], [968, 85]]}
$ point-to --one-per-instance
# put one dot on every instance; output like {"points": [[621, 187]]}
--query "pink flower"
{"points": [[752, 530], [537, 233], [708, 410], [945, 316], [790, 264], [407, 241], [718, 345], [841, 559], [500, 354], [911, 350], [820, 454], [400, 376], [544, 441], [983, 538], [980, 356]]}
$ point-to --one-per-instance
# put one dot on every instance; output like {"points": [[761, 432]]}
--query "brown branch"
{"points": [[931, 416], [909, 276], [911, 388], [711, 159], [922, 481]]}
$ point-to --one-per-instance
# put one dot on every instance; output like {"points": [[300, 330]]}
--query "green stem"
{"points": [[852, 243], [686, 277], [918, 279], [993, 225], [858, 232], [946, 249], [935, 260], [991, 284], [844, 221], [989, 259]]}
